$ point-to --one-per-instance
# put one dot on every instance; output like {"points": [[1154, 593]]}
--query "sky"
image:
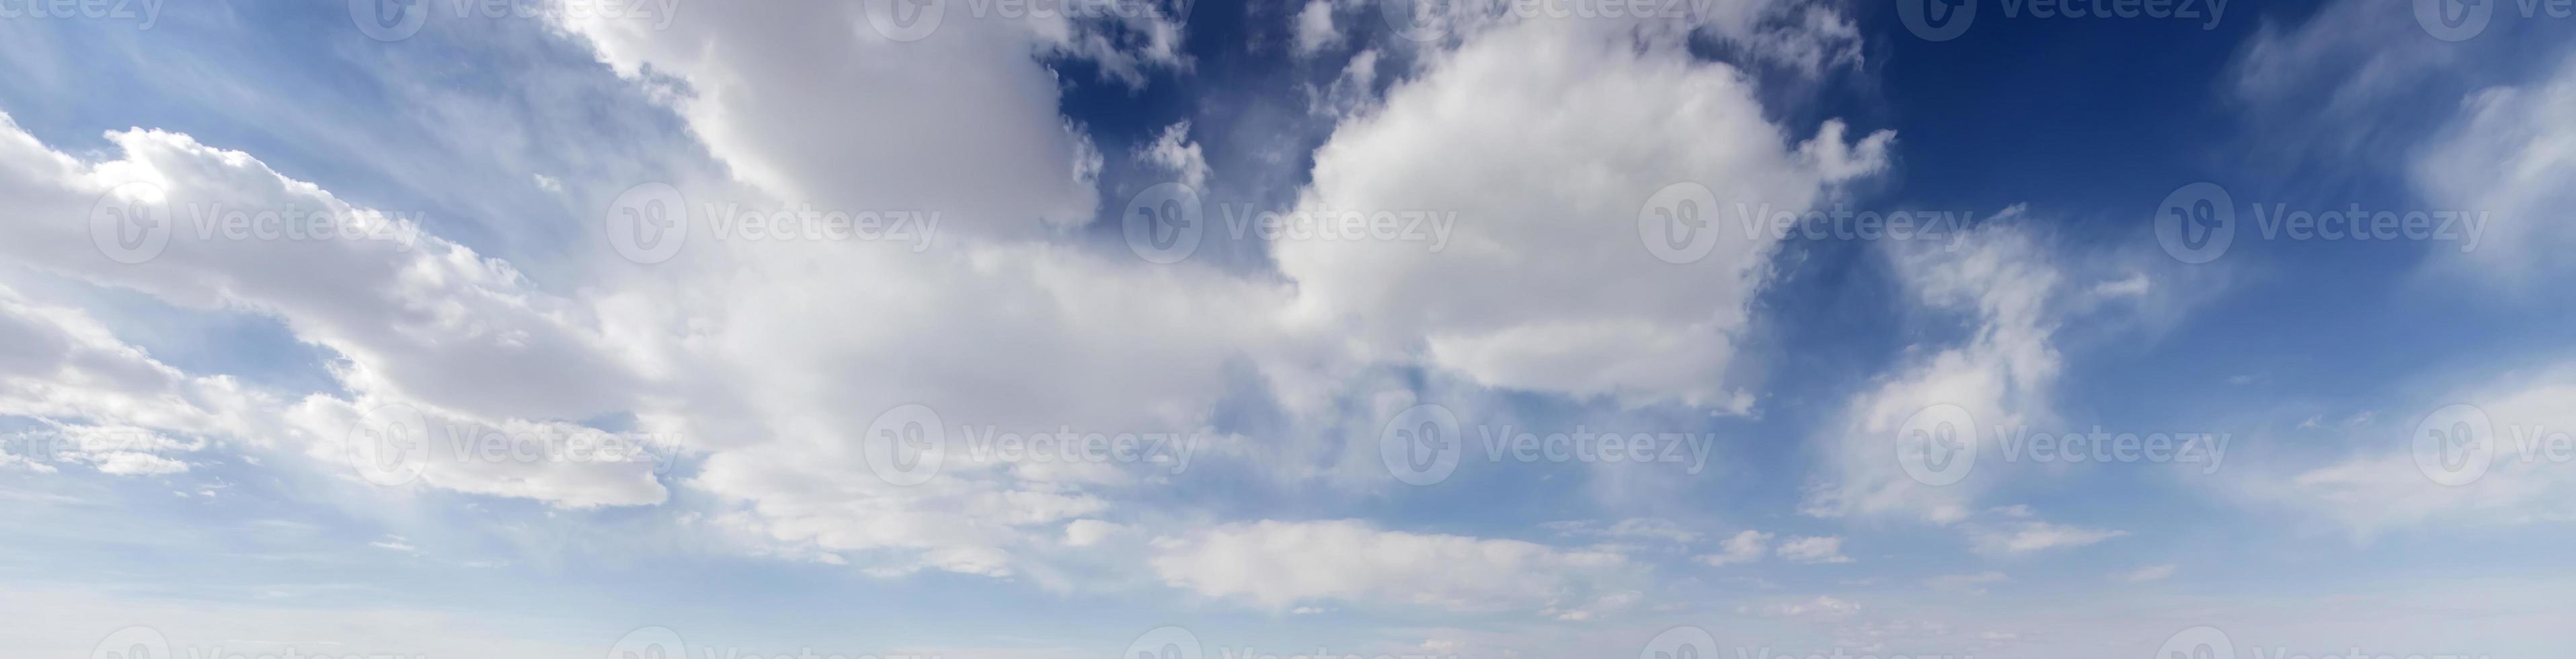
{"points": [[1287, 329]]}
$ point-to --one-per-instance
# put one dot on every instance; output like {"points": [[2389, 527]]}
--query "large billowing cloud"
{"points": [[1545, 141], [770, 366]]}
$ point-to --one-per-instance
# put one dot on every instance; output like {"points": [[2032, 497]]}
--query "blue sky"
{"points": [[1295, 276]]}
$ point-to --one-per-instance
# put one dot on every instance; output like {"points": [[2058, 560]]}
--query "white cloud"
{"points": [[1282, 564], [2146, 574], [1745, 547], [1174, 152], [1315, 27], [1823, 606], [811, 104], [1546, 139], [1825, 549], [2381, 487], [2033, 535], [2006, 282], [2507, 156]]}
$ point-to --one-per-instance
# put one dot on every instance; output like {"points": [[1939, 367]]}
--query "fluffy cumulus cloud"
{"points": [[757, 384], [832, 106], [1546, 141]]}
